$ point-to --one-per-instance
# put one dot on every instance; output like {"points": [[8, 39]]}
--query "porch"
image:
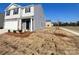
{"points": [[25, 24]]}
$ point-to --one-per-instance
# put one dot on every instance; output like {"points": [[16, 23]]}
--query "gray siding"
{"points": [[1, 20], [39, 17]]}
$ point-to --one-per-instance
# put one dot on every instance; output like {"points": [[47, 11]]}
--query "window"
{"points": [[8, 12], [27, 10], [15, 11]]}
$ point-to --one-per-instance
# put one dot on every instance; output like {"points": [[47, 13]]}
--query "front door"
{"points": [[25, 24]]}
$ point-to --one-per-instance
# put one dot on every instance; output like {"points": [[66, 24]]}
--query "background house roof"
{"points": [[1, 14]]}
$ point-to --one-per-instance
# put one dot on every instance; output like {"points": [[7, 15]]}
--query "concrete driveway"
{"points": [[71, 31], [2, 31]]}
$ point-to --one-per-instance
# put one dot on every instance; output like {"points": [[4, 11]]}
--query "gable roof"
{"points": [[28, 6], [14, 5], [18, 6]]}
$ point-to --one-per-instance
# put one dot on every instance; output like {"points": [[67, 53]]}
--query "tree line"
{"points": [[66, 23]]}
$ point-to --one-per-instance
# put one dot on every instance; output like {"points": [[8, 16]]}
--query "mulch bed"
{"points": [[24, 34]]}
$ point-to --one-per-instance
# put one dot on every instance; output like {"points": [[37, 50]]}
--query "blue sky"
{"points": [[64, 12]]}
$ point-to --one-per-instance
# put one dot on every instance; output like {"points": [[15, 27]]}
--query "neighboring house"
{"points": [[48, 23], [29, 18], [1, 20]]}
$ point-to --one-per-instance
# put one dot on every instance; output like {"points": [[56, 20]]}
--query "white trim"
{"points": [[11, 5], [31, 24]]}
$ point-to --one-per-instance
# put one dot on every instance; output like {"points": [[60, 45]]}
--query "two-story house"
{"points": [[28, 18]]}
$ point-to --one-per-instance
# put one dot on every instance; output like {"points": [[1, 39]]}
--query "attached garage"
{"points": [[11, 24]]}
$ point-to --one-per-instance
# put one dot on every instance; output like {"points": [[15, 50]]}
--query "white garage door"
{"points": [[11, 24]]}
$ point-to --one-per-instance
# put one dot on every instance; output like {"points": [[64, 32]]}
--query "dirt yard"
{"points": [[41, 42]]}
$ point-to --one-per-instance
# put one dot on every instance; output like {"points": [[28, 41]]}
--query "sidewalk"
{"points": [[73, 32], [2, 31]]}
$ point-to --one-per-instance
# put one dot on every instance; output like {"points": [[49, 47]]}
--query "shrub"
{"points": [[14, 31], [32, 53], [20, 31], [8, 30], [52, 53]]}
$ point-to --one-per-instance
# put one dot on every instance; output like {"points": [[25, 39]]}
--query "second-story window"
{"points": [[8, 13], [15, 11], [27, 10]]}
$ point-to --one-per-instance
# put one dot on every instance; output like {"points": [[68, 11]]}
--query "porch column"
{"points": [[19, 24], [31, 24]]}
